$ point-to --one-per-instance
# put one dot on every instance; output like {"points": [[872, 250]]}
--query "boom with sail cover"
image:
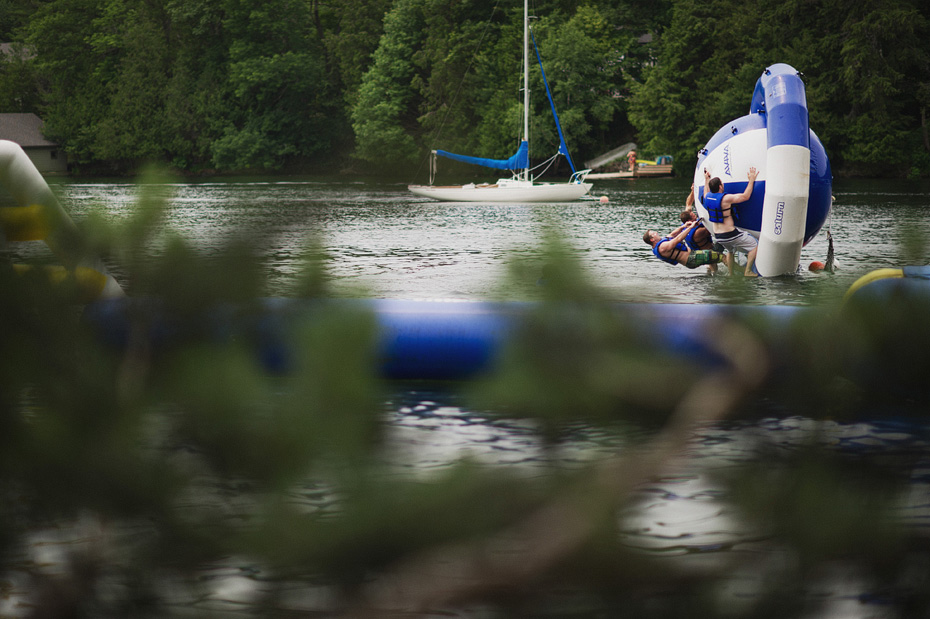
{"points": [[519, 161]]}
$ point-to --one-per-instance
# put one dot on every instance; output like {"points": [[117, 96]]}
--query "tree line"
{"points": [[371, 85]]}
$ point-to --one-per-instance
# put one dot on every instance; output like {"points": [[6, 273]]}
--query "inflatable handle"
{"points": [[870, 277]]}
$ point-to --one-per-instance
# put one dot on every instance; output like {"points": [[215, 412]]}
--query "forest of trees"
{"points": [[369, 86]]}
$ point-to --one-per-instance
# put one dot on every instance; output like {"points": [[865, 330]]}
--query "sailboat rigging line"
{"points": [[547, 163], [435, 135], [562, 147]]}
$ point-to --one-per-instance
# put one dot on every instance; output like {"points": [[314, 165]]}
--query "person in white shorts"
{"points": [[720, 205]]}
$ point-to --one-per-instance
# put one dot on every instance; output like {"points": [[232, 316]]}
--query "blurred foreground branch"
{"points": [[468, 571]]}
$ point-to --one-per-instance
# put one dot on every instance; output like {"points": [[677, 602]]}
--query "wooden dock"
{"points": [[640, 171]]}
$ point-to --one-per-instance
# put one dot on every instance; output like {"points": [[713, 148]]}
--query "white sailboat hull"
{"points": [[504, 191]]}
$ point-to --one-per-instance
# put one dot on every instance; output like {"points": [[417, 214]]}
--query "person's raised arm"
{"points": [[748, 191], [682, 232], [689, 201], [676, 239]]}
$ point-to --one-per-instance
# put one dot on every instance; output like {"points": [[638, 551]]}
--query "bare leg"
{"points": [[750, 260]]}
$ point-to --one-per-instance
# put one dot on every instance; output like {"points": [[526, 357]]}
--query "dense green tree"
{"points": [[458, 58], [866, 70], [232, 85], [278, 81], [18, 81], [885, 57], [585, 67], [13, 15], [353, 39], [698, 83], [73, 87], [467, 79], [199, 97], [131, 39], [383, 117]]}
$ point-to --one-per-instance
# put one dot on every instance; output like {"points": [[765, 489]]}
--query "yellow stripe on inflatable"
{"points": [[39, 217], [88, 283], [868, 278], [25, 223]]}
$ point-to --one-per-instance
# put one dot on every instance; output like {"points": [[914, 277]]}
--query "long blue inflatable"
{"points": [[455, 340], [416, 340]]}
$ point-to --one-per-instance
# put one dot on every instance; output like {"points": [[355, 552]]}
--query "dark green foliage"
{"points": [[867, 96], [206, 86], [382, 116]]}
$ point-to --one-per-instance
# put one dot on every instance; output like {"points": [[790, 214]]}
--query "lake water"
{"points": [[387, 243]]}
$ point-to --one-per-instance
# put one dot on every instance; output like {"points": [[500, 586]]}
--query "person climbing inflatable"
{"points": [[793, 189]]}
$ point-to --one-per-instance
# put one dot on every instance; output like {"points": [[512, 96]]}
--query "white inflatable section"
{"points": [[731, 162], [24, 182], [28, 187], [784, 210]]}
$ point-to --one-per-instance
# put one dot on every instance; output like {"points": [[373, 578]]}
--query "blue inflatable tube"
{"points": [[441, 340], [456, 340], [416, 340], [780, 94]]}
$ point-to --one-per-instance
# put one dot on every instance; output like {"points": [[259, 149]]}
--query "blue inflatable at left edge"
{"points": [[792, 195]]}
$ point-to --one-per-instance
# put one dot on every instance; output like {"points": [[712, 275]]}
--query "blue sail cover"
{"points": [[520, 160]]}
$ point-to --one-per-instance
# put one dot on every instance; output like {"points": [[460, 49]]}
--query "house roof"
{"points": [[24, 129]]}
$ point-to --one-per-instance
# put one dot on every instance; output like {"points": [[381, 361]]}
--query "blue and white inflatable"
{"points": [[792, 195]]}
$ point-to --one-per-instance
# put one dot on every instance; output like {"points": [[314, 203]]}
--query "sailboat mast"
{"points": [[526, 79]]}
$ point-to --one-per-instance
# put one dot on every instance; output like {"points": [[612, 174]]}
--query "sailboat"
{"points": [[520, 187]]}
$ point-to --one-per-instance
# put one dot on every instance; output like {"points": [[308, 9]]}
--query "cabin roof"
{"points": [[24, 129]]}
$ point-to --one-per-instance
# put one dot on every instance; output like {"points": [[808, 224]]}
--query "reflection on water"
{"points": [[685, 517]]}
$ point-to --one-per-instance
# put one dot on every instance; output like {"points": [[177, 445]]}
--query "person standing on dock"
{"points": [[720, 205]]}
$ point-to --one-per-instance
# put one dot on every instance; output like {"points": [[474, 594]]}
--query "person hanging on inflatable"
{"points": [[699, 237], [720, 210], [673, 249]]}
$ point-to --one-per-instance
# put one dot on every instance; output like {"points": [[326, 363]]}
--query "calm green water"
{"points": [[390, 243]]}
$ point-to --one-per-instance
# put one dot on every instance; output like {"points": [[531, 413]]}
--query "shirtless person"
{"points": [[720, 207], [673, 250]]}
